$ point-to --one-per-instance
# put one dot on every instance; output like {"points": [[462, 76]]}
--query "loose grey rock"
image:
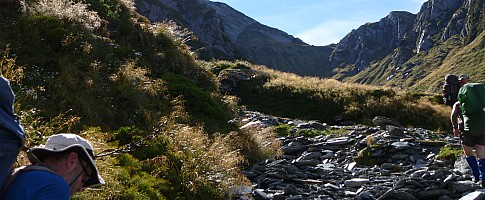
{"points": [[462, 186], [291, 190], [433, 194], [325, 166], [356, 182], [477, 195], [403, 195], [382, 122], [260, 195], [365, 196]]}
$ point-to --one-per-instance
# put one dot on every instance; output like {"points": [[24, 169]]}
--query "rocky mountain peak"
{"points": [[234, 22], [431, 19], [372, 41]]}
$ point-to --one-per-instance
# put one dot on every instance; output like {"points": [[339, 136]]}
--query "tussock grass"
{"points": [[258, 143], [193, 166], [205, 162], [135, 91], [10, 70], [177, 160], [75, 12], [331, 101], [282, 79]]}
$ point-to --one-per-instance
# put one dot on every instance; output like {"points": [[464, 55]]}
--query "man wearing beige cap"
{"points": [[62, 167]]}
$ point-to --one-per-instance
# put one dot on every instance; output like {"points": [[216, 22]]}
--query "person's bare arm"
{"points": [[455, 113]]}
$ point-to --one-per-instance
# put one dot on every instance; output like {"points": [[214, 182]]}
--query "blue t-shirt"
{"points": [[38, 185]]}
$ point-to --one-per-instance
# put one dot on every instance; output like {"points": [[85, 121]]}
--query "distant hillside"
{"points": [[437, 43], [225, 33], [396, 51]]}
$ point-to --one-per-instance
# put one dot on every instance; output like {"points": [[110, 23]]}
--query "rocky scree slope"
{"points": [[385, 161]]}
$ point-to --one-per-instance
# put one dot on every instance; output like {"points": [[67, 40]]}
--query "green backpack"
{"points": [[472, 101]]}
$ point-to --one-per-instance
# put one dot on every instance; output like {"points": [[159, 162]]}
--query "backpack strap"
{"points": [[480, 100], [11, 177]]}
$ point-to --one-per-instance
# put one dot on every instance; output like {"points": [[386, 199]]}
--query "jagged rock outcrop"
{"points": [[432, 19], [402, 35], [374, 41], [434, 25], [226, 33], [467, 21], [230, 79], [203, 20]]}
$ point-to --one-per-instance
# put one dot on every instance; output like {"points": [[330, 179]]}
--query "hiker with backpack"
{"points": [[451, 87], [61, 168], [468, 120], [11, 132]]}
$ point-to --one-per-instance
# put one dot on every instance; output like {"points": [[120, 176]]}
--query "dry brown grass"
{"points": [[137, 76], [207, 160], [10, 70], [259, 143], [310, 83], [76, 12], [356, 102]]}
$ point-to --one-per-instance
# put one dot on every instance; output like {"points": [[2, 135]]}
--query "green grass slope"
{"points": [[425, 71], [332, 102], [469, 60], [155, 116]]}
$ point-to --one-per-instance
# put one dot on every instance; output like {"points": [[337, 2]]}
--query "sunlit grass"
{"points": [[76, 12], [289, 95]]}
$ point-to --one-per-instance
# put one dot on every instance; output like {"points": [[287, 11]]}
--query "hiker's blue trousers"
{"points": [[9, 149]]}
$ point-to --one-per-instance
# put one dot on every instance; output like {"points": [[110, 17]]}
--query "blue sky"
{"points": [[320, 22]]}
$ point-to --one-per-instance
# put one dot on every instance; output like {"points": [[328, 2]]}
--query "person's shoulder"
{"points": [[50, 185], [42, 175], [41, 185], [456, 106], [40, 179]]}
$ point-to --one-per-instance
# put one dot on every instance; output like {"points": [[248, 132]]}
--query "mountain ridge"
{"points": [[228, 34], [393, 45]]}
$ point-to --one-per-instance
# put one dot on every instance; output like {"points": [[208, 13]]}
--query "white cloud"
{"points": [[328, 32]]}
